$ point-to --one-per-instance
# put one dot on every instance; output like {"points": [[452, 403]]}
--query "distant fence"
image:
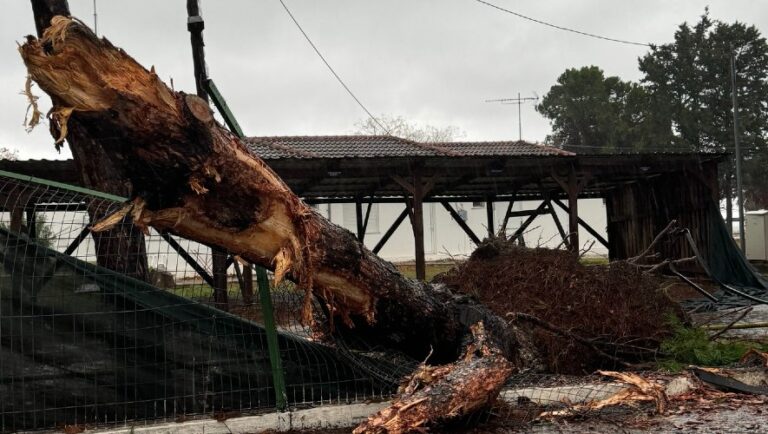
{"points": [[121, 326]]}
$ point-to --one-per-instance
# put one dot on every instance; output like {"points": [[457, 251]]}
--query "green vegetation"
{"points": [[692, 346], [431, 270], [594, 260], [682, 101]]}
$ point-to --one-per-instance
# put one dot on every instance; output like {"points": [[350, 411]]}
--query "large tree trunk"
{"points": [[121, 248], [195, 179]]}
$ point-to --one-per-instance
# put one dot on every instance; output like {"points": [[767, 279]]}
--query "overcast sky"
{"points": [[434, 62]]}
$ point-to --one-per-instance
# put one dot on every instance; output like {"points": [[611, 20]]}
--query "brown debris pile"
{"points": [[617, 310]]}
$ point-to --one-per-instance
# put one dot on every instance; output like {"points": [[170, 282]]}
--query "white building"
{"points": [[443, 238]]}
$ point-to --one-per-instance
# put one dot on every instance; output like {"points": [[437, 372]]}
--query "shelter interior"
{"points": [[642, 191]]}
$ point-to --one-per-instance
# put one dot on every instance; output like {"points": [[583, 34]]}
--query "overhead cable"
{"points": [[330, 68], [554, 26]]}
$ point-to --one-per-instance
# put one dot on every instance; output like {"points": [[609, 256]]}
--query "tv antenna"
{"points": [[519, 101], [95, 20]]}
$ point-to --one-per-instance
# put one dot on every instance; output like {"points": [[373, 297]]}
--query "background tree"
{"points": [[9, 154], [401, 127], [590, 112], [688, 81]]}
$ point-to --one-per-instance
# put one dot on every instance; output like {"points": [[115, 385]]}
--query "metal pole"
{"points": [[206, 88], [739, 189], [95, 20], [519, 117], [278, 381]]}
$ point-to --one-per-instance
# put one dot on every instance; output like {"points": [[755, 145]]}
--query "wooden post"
{"points": [[418, 190], [32, 224], [219, 268], [584, 224], [417, 222], [247, 289], [489, 217], [573, 211], [359, 219], [17, 218]]}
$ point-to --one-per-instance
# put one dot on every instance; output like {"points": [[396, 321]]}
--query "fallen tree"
{"points": [[193, 178]]}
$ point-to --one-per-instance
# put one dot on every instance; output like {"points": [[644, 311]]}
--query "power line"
{"points": [[591, 35], [330, 68]]}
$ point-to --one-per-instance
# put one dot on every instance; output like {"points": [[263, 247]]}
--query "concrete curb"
{"points": [[346, 416], [332, 416]]}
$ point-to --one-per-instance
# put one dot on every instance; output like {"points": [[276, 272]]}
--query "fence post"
{"points": [[262, 281], [272, 345]]}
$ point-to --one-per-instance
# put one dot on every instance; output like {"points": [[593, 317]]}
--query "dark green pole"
{"points": [[205, 88], [272, 344], [261, 274]]}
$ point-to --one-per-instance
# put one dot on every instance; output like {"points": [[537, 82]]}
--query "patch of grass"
{"points": [[593, 260], [430, 270], [692, 346]]}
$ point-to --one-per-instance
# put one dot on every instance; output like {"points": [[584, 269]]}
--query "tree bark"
{"points": [[440, 393], [195, 179], [122, 248]]}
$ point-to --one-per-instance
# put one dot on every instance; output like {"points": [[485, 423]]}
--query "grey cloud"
{"points": [[430, 61]]}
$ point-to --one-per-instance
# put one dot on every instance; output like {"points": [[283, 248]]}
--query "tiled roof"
{"points": [[304, 147], [505, 148]]}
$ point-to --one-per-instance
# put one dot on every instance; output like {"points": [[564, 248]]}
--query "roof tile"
{"points": [[307, 147]]}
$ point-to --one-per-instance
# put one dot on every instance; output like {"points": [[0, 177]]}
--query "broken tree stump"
{"points": [[435, 394]]}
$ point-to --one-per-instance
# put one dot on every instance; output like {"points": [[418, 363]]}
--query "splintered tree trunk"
{"points": [[121, 248], [195, 179]]}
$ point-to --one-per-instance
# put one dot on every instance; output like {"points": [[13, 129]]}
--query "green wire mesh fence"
{"points": [[123, 326]]}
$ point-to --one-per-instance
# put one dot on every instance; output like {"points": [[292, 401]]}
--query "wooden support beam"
{"points": [[503, 229], [184, 255], [559, 226], [359, 219], [547, 196], [529, 212], [584, 224], [462, 224], [367, 218], [388, 234], [572, 186], [418, 189], [573, 212], [489, 217], [76, 242], [417, 223], [519, 232]]}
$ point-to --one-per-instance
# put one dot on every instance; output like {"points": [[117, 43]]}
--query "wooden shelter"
{"points": [[642, 191]]}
